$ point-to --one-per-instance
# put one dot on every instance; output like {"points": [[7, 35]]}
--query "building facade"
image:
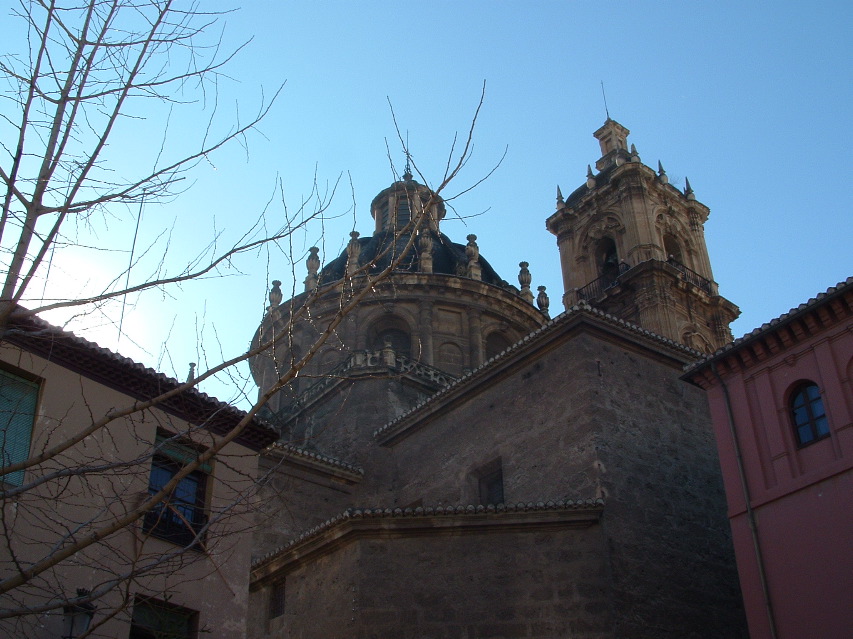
{"points": [[454, 463], [98, 446], [782, 407]]}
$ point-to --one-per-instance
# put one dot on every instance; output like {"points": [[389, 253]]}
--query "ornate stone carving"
{"points": [[472, 251], [542, 300], [425, 251], [524, 280], [313, 265], [353, 252], [275, 294]]}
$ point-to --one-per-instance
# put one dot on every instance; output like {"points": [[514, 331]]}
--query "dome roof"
{"points": [[448, 257], [410, 189]]}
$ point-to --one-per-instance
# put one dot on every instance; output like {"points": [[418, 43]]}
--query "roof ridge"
{"points": [[581, 307]]}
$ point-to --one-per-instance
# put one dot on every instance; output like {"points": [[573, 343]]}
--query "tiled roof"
{"points": [[132, 378], [437, 511], [317, 458], [580, 309], [775, 324]]}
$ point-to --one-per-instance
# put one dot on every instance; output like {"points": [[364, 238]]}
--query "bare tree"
{"points": [[84, 497]]}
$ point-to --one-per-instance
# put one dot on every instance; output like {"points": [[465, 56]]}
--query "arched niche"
{"points": [[672, 248], [449, 358], [607, 258], [496, 343], [390, 329]]}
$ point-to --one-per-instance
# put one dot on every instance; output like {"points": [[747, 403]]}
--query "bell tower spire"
{"points": [[634, 246]]}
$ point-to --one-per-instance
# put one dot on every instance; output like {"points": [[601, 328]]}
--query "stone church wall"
{"points": [[509, 584], [601, 417], [293, 500]]}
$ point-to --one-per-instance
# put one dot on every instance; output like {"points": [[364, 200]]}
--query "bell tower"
{"points": [[633, 245]]}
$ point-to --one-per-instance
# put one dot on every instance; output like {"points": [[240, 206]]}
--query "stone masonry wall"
{"points": [[293, 500], [599, 417], [510, 584]]}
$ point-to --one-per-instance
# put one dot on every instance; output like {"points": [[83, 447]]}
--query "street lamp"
{"points": [[77, 616]]}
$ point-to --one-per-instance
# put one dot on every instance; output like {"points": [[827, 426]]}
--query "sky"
{"points": [[747, 100]]}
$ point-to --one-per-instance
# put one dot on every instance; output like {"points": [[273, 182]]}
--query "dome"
{"points": [[448, 257]]}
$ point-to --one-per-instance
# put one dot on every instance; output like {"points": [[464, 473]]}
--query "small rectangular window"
{"points": [[18, 400], [276, 608], [158, 620], [490, 480]]}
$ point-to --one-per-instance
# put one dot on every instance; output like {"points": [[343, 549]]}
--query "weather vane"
{"points": [[408, 171]]}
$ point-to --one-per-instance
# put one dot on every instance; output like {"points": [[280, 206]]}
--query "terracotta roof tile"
{"points": [[132, 378], [767, 327]]}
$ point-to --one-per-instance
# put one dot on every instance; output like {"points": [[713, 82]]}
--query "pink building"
{"points": [[782, 408]]}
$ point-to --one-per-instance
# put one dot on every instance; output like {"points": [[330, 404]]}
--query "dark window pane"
{"points": [[18, 398], [153, 620], [276, 600], [808, 414], [181, 516]]}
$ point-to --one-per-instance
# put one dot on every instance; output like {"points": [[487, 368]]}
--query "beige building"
{"points": [[182, 568]]}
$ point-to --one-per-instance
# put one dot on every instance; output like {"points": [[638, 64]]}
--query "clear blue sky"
{"points": [[748, 100]]}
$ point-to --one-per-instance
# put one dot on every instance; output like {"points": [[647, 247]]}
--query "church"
{"points": [[456, 463]]}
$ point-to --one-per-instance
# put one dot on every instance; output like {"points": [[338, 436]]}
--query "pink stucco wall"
{"points": [[802, 498]]}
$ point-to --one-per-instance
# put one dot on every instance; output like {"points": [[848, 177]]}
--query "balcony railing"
{"points": [[597, 287], [692, 277]]}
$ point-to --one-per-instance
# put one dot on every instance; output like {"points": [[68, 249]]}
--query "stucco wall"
{"points": [[800, 496], [214, 583]]}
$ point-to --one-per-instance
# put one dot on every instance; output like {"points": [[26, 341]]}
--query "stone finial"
{"points": [[353, 252], [473, 252], [662, 174], [688, 190], [524, 280], [561, 203], [590, 178], [542, 300], [425, 251], [389, 357], [191, 374], [275, 294], [313, 265], [635, 157]]}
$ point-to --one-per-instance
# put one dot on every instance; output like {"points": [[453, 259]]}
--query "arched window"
{"points": [[807, 414], [607, 258], [496, 344], [399, 340], [673, 248]]}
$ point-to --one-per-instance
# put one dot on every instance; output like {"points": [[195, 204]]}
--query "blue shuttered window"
{"points": [[18, 399]]}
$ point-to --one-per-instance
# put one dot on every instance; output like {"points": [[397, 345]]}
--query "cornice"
{"points": [[356, 523], [800, 324], [316, 461]]}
